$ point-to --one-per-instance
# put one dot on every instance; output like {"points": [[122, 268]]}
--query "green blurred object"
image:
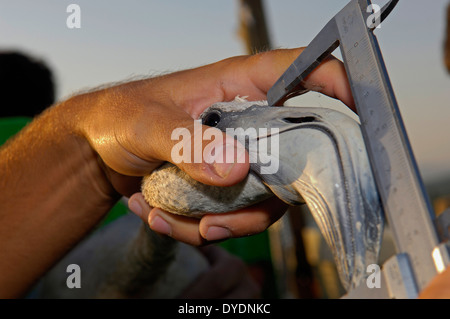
{"points": [[10, 126], [249, 249], [117, 211]]}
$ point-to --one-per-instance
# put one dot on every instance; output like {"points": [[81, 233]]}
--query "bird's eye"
{"points": [[211, 119]]}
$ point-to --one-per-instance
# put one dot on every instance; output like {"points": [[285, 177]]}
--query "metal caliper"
{"points": [[421, 239]]}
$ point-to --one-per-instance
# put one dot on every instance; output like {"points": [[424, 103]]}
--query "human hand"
{"points": [[228, 277], [439, 287], [130, 128]]}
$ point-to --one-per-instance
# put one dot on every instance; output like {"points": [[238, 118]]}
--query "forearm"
{"points": [[53, 191]]}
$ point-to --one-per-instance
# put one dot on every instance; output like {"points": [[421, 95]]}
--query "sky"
{"points": [[121, 39]]}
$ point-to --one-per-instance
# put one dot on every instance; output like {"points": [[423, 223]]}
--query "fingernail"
{"points": [[135, 207], [217, 233], [225, 157], [159, 225], [223, 163]]}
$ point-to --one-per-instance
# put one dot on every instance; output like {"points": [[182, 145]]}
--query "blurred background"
{"points": [[121, 39]]}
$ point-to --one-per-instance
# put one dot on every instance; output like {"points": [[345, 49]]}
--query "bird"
{"points": [[321, 161]]}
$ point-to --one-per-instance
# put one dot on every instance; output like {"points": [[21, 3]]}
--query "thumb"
{"points": [[205, 153]]}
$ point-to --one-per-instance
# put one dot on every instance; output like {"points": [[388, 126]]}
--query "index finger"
{"points": [[253, 76], [329, 78]]}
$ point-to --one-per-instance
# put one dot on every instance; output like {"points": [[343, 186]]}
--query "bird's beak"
{"points": [[317, 156]]}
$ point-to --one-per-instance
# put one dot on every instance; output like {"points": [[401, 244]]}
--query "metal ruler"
{"points": [[406, 205]]}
